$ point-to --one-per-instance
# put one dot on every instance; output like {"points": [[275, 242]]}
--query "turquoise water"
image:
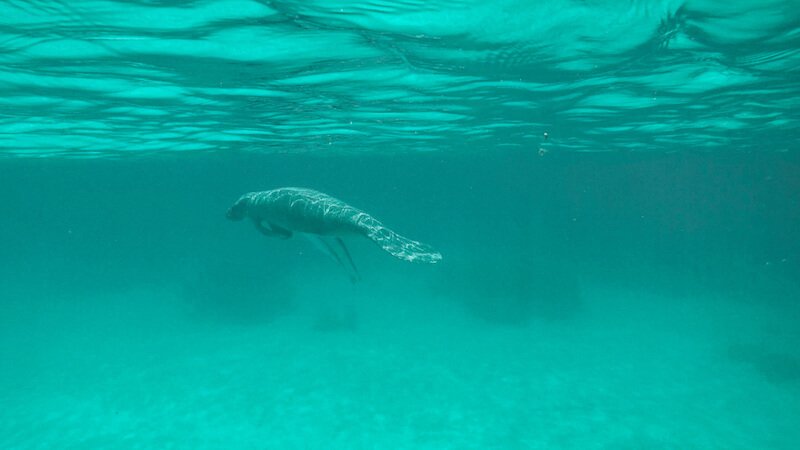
{"points": [[614, 188]]}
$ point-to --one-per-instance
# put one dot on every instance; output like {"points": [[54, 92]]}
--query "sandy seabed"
{"points": [[631, 371]]}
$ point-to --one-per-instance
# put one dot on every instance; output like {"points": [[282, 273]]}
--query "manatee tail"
{"points": [[401, 247]]}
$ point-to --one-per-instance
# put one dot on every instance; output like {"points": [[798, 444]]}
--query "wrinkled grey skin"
{"points": [[281, 212]]}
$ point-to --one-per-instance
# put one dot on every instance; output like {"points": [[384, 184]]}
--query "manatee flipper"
{"points": [[349, 258], [266, 231], [402, 247], [333, 251], [283, 233], [273, 231]]}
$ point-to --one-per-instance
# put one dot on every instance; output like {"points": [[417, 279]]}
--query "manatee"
{"points": [[287, 211]]}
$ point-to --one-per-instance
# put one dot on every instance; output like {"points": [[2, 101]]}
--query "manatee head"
{"points": [[239, 209]]}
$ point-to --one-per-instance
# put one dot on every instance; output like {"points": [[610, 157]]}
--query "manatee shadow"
{"points": [[513, 291], [776, 366], [238, 293], [336, 320]]}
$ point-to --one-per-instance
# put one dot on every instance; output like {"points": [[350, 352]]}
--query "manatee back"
{"points": [[309, 211]]}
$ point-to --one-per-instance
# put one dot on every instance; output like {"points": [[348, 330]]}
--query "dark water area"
{"points": [[700, 217], [575, 290]]}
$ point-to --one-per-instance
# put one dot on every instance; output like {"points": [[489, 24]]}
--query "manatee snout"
{"points": [[238, 210]]}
